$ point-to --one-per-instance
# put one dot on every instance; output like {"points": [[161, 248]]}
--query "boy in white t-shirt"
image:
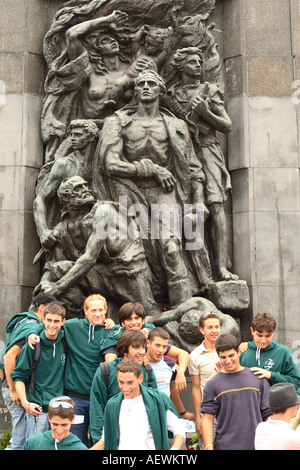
{"points": [[165, 368], [139, 418]]}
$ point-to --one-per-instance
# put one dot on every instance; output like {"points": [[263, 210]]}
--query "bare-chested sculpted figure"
{"points": [[140, 83], [84, 86], [146, 155], [87, 259]]}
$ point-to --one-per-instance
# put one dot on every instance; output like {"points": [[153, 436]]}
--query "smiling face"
{"points": [[134, 322], [229, 361], [129, 384], [263, 338], [211, 329], [136, 352], [60, 427], [53, 324], [95, 312]]}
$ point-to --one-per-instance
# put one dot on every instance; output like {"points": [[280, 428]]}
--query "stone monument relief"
{"points": [[130, 199]]}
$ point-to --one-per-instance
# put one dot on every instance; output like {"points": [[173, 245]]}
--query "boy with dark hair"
{"points": [[84, 337], [266, 357], [132, 344], [139, 417], [48, 372], [165, 368], [17, 329], [131, 317], [235, 396], [61, 414]]}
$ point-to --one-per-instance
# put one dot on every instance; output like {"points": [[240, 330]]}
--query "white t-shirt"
{"points": [[164, 372], [274, 434], [134, 428]]}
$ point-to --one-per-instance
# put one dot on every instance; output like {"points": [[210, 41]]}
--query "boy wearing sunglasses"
{"points": [[61, 414]]}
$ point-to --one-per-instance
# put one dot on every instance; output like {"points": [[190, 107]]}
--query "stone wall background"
{"points": [[259, 41]]}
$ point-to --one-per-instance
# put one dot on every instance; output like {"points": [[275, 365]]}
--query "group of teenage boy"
{"points": [[87, 383]]}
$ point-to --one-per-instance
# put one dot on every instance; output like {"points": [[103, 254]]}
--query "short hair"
{"points": [[153, 75], [55, 308], [129, 308], [160, 332], [89, 126], [93, 297], [225, 342], [129, 365], [64, 413], [264, 321], [134, 338], [206, 316]]}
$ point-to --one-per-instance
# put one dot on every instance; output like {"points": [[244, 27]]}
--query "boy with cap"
{"points": [[61, 414], [278, 432], [17, 329]]}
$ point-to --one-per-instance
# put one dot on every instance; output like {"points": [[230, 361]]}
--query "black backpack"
{"points": [[105, 372]]}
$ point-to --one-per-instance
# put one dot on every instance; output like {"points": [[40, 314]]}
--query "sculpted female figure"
{"points": [[83, 83]]}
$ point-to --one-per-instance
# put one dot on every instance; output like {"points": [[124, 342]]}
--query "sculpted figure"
{"points": [[83, 134], [146, 155], [86, 259], [81, 87], [202, 106]]}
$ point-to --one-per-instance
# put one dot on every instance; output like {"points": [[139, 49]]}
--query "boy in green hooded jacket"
{"points": [[61, 414], [139, 417], [49, 370], [267, 358]]}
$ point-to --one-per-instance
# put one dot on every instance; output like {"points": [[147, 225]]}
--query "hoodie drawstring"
{"points": [[91, 326], [258, 355]]}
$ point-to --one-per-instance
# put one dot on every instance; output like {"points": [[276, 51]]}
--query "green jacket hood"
{"points": [[68, 443], [18, 319]]}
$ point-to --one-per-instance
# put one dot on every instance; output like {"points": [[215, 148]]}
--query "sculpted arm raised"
{"points": [[75, 33], [48, 190]]}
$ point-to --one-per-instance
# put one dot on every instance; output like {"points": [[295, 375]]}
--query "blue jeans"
{"points": [[37, 424], [18, 420], [80, 427]]}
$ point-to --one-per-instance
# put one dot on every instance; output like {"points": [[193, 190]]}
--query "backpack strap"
{"points": [[149, 372], [36, 358], [105, 372]]}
